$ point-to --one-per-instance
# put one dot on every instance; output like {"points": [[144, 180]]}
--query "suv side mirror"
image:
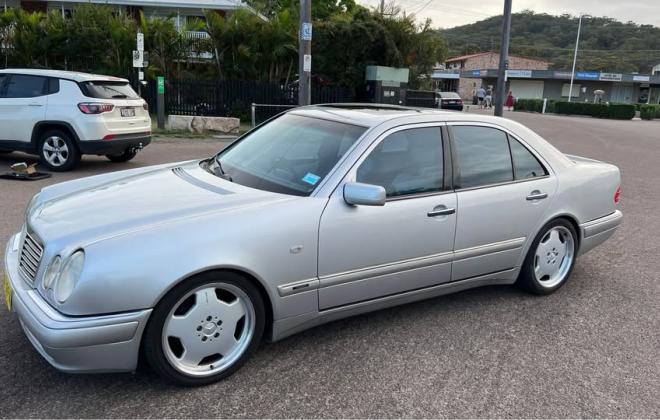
{"points": [[358, 194]]}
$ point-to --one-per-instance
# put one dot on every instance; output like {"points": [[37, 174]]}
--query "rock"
{"points": [[196, 124]]}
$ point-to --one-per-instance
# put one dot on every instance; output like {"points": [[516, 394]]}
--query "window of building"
{"points": [[566, 88]]}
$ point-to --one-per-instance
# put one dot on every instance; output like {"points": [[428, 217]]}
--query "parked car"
{"points": [[61, 115], [449, 100], [321, 213]]}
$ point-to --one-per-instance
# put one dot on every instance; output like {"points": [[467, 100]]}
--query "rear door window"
{"points": [[108, 90], [483, 156], [25, 86], [3, 79], [525, 164]]}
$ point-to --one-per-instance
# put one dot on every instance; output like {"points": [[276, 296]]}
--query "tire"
{"points": [[123, 157], [550, 259], [58, 151], [182, 325]]}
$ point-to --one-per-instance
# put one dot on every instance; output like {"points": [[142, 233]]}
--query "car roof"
{"points": [[61, 74], [364, 114], [371, 115]]}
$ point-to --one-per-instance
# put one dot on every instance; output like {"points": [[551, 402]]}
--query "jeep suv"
{"points": [[62, 115]]}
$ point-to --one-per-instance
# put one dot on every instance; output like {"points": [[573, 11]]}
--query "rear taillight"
{"points": [[95, 108], [145, 106], [617, 196]]}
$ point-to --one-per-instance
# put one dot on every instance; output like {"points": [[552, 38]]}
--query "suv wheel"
{"points": [[122, 157], [58, 151]]}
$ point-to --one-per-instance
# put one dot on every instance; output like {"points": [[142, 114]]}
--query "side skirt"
{"points": [[289, 326]]}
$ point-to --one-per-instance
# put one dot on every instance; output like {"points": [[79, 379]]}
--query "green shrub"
{"points": [[649, 112], [611, 111], [533, 105]]}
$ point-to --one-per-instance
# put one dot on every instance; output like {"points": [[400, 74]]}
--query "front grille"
{"points": [[30, 257]]}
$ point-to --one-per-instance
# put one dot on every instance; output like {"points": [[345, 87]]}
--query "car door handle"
{"points": [[441, 212], [536, 195]]}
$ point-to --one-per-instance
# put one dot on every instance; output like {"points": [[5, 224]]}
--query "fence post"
{"points": [[254, 116], [545, 102]]}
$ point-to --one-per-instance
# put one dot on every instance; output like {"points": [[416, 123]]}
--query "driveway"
{"points": [[590, 350]]}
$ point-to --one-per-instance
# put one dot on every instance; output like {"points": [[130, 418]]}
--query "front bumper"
{"points": [[107, 343], [598, 231], [115, 146]]}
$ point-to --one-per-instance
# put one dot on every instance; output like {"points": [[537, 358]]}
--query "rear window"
{"points": [[449, 95], [108, 90]]}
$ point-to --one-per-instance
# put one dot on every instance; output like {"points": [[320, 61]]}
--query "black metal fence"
{"points": [[421, 98], [233, 97]]}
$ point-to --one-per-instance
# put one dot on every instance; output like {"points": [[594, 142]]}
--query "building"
{"points": [[529, 78], [484, 60], [180, 10]]}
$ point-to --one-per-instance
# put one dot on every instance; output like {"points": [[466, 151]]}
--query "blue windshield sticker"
{"points": [[310, 178]]}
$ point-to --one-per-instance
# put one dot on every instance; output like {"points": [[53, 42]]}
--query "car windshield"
{"points": [[109, 90], [449, 95], [289, 155]]}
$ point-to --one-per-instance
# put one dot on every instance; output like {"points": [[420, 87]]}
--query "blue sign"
{"points": [[306, 31], [476, 73], [587, 75]]}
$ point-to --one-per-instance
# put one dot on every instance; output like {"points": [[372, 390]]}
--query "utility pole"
{"points": [[504, 59], [382, 7], [305, 53], [577, 42]]}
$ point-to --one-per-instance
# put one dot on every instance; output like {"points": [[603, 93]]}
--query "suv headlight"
{"points": [[52, 271], [69, 276]]}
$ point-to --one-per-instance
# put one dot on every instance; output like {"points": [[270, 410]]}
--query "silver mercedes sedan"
{"points": [[321, 213]]}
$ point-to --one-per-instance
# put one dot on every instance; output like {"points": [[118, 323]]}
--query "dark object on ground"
{"points": [[36, 176]]}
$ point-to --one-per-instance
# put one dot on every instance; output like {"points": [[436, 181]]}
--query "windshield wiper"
{"points": [[219, 172]]}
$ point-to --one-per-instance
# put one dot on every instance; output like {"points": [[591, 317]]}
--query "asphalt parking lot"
{"points": [[590, 350]]}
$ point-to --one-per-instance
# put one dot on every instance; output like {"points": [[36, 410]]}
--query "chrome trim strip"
{"points": [[417, 263], [480, 250], [600, 225], [297, 287], [384, 269], [183, 174]]}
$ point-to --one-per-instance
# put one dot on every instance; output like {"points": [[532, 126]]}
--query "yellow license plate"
{"points": [[6, 285]]}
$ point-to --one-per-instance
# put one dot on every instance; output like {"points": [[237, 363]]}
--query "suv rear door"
{"points": [[22, 105]]}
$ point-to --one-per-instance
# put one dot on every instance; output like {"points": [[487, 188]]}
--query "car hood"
{"points": [[114, 205]]}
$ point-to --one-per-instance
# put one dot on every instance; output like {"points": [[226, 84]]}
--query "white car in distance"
{"points": [[62, 115]]}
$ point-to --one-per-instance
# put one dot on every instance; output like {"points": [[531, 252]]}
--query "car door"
{"points": [[502, 189], [370, 251], [22, 106]]}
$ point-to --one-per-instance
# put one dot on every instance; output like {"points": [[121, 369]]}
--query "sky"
{"points": [[450, 13]]}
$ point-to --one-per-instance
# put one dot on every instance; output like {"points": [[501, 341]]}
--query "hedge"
{"points": [[533, 105], [649, 112], [611, 111]]}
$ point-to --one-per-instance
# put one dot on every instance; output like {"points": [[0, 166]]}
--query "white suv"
{"points": [[62, 115]]}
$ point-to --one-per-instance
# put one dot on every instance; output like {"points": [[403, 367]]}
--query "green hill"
{"points": [[605, 44]]}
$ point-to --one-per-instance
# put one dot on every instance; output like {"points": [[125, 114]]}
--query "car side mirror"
{"points": [[358, 194]]}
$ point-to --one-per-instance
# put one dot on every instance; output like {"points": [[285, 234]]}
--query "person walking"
{"points": [[481, 94], [510, 100], [489, 98]]}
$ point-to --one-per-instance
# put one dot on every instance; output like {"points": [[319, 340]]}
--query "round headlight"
{"points": [[69, 277], [52, 271]]}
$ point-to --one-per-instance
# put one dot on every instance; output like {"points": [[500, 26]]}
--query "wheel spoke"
{"points": [[181, 326], [49, 147], [226, 342], [194, 353]]}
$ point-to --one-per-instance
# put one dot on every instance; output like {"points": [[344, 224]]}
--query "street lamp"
{"points": [[577, 42]]}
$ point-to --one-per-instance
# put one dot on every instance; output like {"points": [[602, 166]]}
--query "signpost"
{"points": [[305, 53], [160, 101]]}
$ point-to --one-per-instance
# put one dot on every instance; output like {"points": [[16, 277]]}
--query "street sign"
{"points": [[161, 84], [140, 41], [307, 63], [138, 58], [306, 31], [145, 58], [140, 75]]}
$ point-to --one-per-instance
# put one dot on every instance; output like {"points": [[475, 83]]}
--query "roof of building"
{"points": [[60, 74], [465, 57], [177, 4]]}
